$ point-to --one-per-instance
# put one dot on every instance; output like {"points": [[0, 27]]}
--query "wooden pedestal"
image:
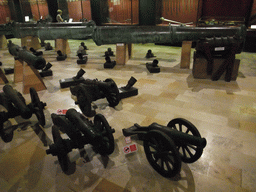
{"points": [[3, 79], [185, 54], [28, 75], [62, 45], [3, 42], [18, 70], [30, 41], [32, 78], [200, 68], [123, 53]]}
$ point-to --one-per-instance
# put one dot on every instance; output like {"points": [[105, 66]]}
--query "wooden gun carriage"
{"points": [[167, 146], [80, 131]]}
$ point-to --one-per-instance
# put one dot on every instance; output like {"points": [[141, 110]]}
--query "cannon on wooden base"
{"points": [[80, 131], [153, 67], [167, 146], [64, 83], [92, 90], [15, 105]]}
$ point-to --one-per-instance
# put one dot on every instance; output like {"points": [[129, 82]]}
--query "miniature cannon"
{"points": [[82, 58], [25, 55], [167, 146], [64, 83], [92, 90], [15, 104], [46, 71], [153, 67], [36, 53], [61, 56], [149, 54], [80, 131], [109, 52], [109, 64], [48, 47]]}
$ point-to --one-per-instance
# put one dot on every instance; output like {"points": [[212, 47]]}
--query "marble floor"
{"points": [[223, 112]]}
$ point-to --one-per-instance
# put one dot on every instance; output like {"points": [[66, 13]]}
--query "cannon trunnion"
{"points": [[167, 146], [15, 104], [80, 131]]}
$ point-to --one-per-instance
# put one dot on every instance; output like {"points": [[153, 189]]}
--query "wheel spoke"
{"points": [[184, 152], [189, 152], [192, 146], [180, 127]]}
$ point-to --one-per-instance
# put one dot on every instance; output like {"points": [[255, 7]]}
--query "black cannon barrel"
{"points": [[161, 34], [83, 125], [25, 55], [180, 137], [13, 96]]}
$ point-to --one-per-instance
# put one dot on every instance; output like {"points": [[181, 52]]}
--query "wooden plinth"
{"points": [[62, 45], [3, 79], [185, 54], [3, 42], [32, 78], [200, 68], [123, 53], [30, 41], [18, 70]]}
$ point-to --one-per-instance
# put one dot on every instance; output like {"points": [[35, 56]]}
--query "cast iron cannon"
{"points": [[167, 146], [92, 90], [81, 131], [27, 56], [15, 105]]}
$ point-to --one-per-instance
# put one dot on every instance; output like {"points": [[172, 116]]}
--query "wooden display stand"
{"points": [[62, 45], [3, 79], [3, 42], [28, 75], [200, 68], [18, 70], [30, 41], [185, 54], [123, 53], [32, 78]]}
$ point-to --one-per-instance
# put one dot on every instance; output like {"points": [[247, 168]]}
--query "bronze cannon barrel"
{"points": [[161, 34], [52, 31], [28, 57], [15, 99]]}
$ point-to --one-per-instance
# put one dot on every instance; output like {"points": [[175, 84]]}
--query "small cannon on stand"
{"points": [[92, 90], [81, 131], [167, 146], [15, 104]]}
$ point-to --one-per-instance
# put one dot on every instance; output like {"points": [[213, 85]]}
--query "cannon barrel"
{"points": [[162, 34], [179, 137], [83, 125], [28, 57], [52, 31], [13, 96], [124, 34]]}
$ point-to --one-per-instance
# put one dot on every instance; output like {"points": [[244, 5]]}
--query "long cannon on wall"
{"points": [[126, 34]]}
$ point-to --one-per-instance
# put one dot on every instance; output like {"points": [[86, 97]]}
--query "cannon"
{"points": [[80, 131], [167, 146], [15, 105], [153, 67], [27, 56], [92, 90], [125, 34]]}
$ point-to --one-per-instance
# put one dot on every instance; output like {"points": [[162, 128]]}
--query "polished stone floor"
{"points": [[223, 112]]}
